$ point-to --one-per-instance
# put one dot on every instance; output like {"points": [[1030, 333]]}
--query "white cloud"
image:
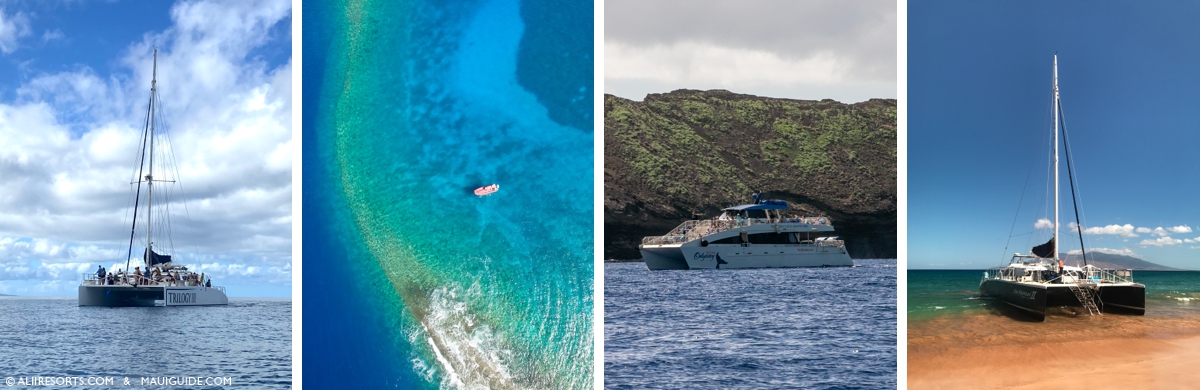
{"points": [[1161, 241], [69, 145], [1143, 230], [1159, 231], [1043, 223], [695, 63], [51, 35], [1125, 230], [1180, 229], [12, 28], [800, 50]]}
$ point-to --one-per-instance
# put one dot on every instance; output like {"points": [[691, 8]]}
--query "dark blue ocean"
{"points": [[410, 280], [249, 341], [822, 328]]}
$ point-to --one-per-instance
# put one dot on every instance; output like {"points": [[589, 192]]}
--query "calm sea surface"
{"points": [[249, 341], [763, 328]]}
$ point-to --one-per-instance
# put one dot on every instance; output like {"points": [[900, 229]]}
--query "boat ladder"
{"points": [[1084, 293]]}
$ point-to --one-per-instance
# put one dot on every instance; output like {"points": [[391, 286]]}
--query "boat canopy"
{"points": [[764, 205]]}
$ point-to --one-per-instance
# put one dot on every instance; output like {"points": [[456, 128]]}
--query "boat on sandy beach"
{"points": [[162, 283], [1039, 280], [755, 235]]}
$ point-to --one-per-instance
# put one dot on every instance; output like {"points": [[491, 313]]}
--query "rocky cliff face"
{"points": [[688, 152]]}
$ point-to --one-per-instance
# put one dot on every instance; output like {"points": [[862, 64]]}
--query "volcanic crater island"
{"points": [[688, 154]]}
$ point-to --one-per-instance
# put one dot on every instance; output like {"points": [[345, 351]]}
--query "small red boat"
{"points": [[488, 189]]}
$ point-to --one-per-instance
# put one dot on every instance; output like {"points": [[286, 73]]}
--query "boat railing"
{"points": [[1099, 275], [91, 279], [831, 243], [695, 229], [1087, 275]]}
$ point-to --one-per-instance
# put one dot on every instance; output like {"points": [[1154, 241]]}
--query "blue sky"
{"points": [[979, 87], [74, 79]]}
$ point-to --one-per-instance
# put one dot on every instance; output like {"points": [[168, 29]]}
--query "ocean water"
{"points": [[936, 294], [759, 328], [945, 310], [409, 275], [248, 341]]}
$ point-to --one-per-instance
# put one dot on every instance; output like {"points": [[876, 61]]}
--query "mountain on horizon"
{"points": [[1114, 261]]}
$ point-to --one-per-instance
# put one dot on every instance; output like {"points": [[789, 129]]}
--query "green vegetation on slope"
{"points": [[688, 151]]}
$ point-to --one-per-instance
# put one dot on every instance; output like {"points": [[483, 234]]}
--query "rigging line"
{"points": [[141, 162], [1028, 175], [1049, 154], [1023, 234], [170, 235], [1080, 208], [174, 167], [1071, 177], [1018, 213]]}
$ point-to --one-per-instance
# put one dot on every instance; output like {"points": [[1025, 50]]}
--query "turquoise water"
{"points": [[947, 293], [945, 312], [420, 104]]}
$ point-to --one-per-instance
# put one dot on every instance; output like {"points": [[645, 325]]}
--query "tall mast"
{"points": [[150, 176], [1055, 158]]}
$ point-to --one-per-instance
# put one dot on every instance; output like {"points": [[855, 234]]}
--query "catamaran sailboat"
{"points": [[755, 235], [1038, 280], [162, 283]]}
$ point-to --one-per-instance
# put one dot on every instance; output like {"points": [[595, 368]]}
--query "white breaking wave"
{"points": [[469, 352]]}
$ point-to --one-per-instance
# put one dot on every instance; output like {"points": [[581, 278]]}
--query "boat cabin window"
{"points": [[728, 240], [771, 238], [774, 238], [754, 214]]}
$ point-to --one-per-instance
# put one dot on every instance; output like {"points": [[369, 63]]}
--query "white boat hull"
{"points": [[150, 296], [660, 257], [764, 256]]}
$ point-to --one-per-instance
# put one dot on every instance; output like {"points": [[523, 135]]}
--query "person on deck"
{"points": [[100, 274]]}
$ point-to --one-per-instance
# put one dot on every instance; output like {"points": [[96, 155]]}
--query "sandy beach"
{"points": [[1102, 352]]}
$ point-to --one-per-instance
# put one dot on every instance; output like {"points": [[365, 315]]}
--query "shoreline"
{"points": [[1117, 364], [1110, 351]]}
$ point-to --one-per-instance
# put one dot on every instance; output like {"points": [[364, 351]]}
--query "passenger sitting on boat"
{"points": [[208, 283]]}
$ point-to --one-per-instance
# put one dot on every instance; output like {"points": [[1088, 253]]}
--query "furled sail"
{"points": [[155, 259], [1044, 250]]}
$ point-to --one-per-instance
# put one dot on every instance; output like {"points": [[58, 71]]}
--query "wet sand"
{"points": [[1102, 352]]}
